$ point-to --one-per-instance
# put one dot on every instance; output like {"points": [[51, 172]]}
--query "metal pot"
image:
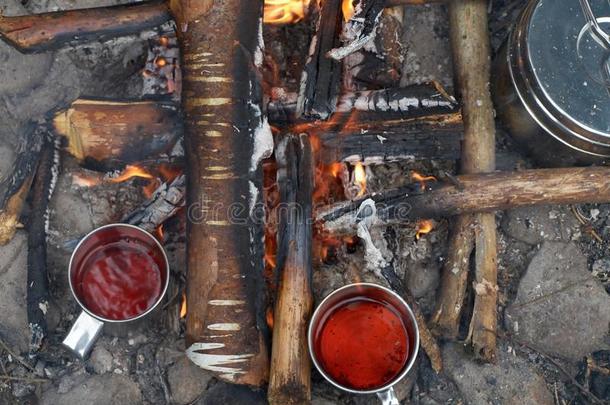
{"points": [[551, 82]]}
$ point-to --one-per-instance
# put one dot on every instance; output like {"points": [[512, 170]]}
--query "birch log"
{"points": [[226, 137]]}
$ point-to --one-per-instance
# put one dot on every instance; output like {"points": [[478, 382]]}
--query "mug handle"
{"points": [[388, 397], [83, 334]]}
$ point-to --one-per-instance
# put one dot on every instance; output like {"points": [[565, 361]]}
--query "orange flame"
{"points": [[129, 172], [183, 306], [423, 227], [161, 61], [360, 178], [422, 179], [285, 11], [348, 9], [82, 180]]}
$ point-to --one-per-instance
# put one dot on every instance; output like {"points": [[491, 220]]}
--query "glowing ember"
{"points": [[269, 318], [348, 9], [183, 306], [360, 178], [164, 41], [423, 227], [161, 61], [159, 233], [129, 172], [422, 179], [81, 180], [285, 11]]}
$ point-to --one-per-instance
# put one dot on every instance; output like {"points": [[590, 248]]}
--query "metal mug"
{"points": [[385, 393], [88, 325]]}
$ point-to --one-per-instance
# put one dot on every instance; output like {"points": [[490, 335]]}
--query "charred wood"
{"points": [[226, 137], [290, 377], [360, 28], [15, 187], [38, 283], [108, 134], [414, 101], [41, 32], [164, 203], [321, 77]]}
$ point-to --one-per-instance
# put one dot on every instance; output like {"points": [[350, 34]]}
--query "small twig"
{"points": [[15, 356], [594, 399], [26, 379], [586, 223]]}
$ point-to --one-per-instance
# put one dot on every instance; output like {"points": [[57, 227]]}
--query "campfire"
{"points": [[278, 152]]}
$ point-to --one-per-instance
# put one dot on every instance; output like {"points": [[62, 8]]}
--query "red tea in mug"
{"points": [[362, 343], [119, 277]]}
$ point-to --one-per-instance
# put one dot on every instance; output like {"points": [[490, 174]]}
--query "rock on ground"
{"points": [[231, 394], [560, 308], [534, 225], [13, 281], [186, 381], [107, 389], [511, 381]]}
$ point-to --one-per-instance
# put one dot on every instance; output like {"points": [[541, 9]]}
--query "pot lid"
{"points": [[567, 61]]}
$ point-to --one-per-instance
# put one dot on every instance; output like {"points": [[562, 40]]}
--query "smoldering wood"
{"points": [[360, 28], [409, 102], [321, 76], [469, 35], [485, 192], [392, 141], [164, 203], [226, 137], [15, 186], [42, 32], [108, 134], [290, 376], [37, 300]]}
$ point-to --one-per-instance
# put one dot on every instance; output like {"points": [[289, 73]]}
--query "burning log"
{"points": [[360, 28], [472, 193], [164, 203], [425, 100], [471, 59], [225, 140], [321, 76], [107, 135], [41, 32], [395, 141], [290, 379], [38, 284], [15, 187]]}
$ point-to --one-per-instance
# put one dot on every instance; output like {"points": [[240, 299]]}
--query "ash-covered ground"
{"points": [[550, 253]]}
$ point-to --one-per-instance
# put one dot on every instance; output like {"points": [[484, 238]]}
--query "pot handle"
{"points": [[388, 397], [83, 334]]}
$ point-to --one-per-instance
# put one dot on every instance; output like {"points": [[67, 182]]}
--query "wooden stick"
{"points": [[290, 379], [226, 139], [41, 32], [37, 281], [15, 186], [472, 193], [471, 59], [321, 75], [108, 134]]}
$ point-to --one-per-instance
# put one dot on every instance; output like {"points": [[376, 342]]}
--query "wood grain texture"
{"points": [[41, 32], [290, 379], [226, 137]]}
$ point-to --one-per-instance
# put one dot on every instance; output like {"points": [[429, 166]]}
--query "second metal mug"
{"points": [[378, 293], [89, 324]]}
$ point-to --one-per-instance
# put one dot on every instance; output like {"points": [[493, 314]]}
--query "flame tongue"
{"points": [[285, 11], [347, 6], [129, 172], [423, 227]]}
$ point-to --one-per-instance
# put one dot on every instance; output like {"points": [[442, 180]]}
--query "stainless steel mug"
{"points": [[378, 294], [109, 243]]}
